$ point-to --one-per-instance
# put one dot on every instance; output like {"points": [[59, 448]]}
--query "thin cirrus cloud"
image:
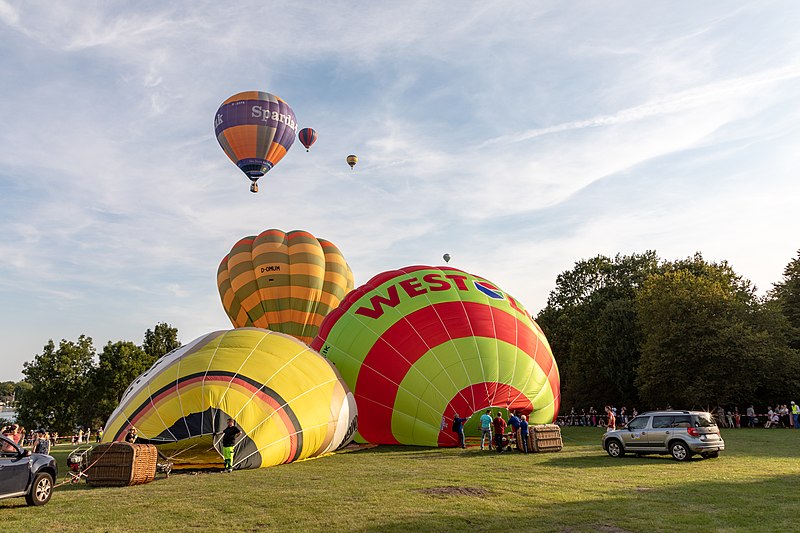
{"points": [[519, 138]]}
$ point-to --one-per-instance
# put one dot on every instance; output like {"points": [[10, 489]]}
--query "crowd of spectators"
{"points": [[29, 438], [594, 418], [781, 416]]}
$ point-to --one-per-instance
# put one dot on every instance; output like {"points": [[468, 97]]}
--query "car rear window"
{"points": [[704, 420], [681, 421], [662, 421]]}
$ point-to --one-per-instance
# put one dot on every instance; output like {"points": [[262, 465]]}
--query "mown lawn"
{"points": [[751, 487]]}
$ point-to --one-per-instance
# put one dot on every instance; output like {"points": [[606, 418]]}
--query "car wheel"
{"points": [[41, 489], [710, 455], [614, 448], [679, 451]]}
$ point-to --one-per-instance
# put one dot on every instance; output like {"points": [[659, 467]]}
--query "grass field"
{"points": [[751, 487]]}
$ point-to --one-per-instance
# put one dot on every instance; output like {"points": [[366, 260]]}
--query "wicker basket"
{"points": [[118, 464], [545, 438]]}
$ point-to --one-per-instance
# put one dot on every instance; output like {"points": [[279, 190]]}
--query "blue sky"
{"points": [[519, 137]]}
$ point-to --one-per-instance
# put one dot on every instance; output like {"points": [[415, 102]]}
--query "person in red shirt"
{"points": [[499, 429], [612, 421]]}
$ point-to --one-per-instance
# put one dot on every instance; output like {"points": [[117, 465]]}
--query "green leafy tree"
{"points": [[590, 322], [6, 391], [706, 339], [786, 294], [20, 388], [58, 380], [119, 364], [160, 340]]}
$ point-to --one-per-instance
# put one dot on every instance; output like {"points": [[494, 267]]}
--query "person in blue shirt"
{"points": [[523, 432], [486, 427], [513, 421], [458, 427]]}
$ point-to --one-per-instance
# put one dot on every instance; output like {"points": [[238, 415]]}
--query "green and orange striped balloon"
{"points": [[421, 344], [285, 282]]}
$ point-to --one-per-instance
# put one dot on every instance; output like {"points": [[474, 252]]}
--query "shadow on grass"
{"points": [[711, 505], [602, 460]]}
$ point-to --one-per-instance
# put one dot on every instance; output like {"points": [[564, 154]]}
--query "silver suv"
{"points": [[678, 433]]}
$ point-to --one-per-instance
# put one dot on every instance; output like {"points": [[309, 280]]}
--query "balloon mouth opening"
{"points": [[254, 170]]}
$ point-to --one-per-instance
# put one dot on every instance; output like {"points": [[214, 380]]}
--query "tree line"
{"points": [[71, 385], [634, 330], [640, 331]]}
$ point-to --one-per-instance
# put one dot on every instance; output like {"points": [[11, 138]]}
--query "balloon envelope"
{"points": [[289, 402], [255, 129], [446, 258], [285, 282], [421, 344], [352, 160], [307, 137]]}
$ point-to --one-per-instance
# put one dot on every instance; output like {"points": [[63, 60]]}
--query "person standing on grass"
{"points": [[795, 416], [229, 436], [523, 433], [42, 443], [486, 428], [751, 417], [786, 418], [499, 428], [100, 434], [458, 428], [513, 421], [612, 419]]}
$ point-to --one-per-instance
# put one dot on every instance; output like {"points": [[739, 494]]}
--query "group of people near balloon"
{"points": [[493, 431], [314, 362]]}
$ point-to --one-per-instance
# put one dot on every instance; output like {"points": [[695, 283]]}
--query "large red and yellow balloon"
{"points": [[420, 344], [286, 282]]}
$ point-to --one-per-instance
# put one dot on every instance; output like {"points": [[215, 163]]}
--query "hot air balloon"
{"points": [[421, 344], [289, 402], [352, 160], [446, 258], [307, 137], [255, 129], [285, 282]]}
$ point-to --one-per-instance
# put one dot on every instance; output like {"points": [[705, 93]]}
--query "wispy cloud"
{"points": [[517, 137], [683, 101]]}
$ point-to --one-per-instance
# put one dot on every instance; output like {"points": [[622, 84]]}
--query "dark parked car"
{"points": [[23, 473]]}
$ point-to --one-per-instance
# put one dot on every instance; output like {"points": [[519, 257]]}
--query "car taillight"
{"points": [[693, 432]]}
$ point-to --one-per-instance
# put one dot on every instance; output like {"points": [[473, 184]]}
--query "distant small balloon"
{"points": [[446, 258], [307, 136], [352, 160]]}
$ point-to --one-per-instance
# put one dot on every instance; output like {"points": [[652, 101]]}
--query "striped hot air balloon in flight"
{"points": [[307, 136], [286, 282], [255, 129], [420, 344]]}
